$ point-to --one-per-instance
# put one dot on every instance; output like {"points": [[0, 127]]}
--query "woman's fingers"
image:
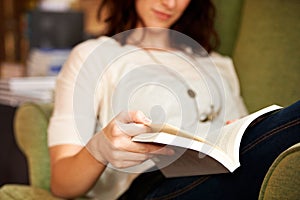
{"points": [[133, 123], [123, 159], [114, 143], [231, 121], [133, 117], [126, 144], [132, 129], [150, 148]]}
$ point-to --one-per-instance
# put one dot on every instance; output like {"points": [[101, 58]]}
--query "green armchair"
{"points": [[262, 37], [30, 125]]}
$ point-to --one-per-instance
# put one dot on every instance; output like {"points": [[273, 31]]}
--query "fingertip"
{"points": [[170, 151], [147, 121], [143, 118]]}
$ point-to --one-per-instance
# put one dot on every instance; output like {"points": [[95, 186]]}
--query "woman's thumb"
{"points": [[134, 117]]}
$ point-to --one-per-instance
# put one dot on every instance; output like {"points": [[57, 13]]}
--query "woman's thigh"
{"points": [[263, 141]]}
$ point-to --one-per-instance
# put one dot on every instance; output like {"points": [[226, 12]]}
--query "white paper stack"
{"points": [[15, 91]]}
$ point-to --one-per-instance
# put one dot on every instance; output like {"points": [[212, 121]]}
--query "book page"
{"points": [[231, 135], [167, 128], [224, 150]]}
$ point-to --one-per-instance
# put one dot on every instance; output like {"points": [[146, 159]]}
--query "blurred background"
{"points": [[34, 32], [36, 37]]}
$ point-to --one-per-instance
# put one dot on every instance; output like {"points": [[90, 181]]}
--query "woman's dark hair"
{"points": [[197, 21]]}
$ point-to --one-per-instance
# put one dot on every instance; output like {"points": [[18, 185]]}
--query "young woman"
{"points": [[149, 64]]}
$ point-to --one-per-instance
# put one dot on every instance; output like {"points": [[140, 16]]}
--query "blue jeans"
{"points": [[263, 141]]}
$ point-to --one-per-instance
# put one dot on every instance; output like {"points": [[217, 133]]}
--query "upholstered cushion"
{"points": [[31, 121], [267, 56], [283, 178], [22, 192], [227, 23]]}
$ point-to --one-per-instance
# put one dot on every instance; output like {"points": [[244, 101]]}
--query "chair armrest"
{"points": [[30, 127], [23, 192], [283, 178]]}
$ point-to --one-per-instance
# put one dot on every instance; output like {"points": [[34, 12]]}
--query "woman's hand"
{"points": [[114, 145], [231, 121]]}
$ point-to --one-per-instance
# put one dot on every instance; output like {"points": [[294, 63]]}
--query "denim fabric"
{"points": [[262, 142]]}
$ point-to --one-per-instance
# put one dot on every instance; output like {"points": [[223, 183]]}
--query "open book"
{"points": [[195, 155]]}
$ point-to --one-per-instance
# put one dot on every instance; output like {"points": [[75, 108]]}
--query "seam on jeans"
{"points": [[269, 134], [261, 118], [183, 190]]}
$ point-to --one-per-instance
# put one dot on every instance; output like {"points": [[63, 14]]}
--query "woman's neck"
{"points": [[150, 38]]}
